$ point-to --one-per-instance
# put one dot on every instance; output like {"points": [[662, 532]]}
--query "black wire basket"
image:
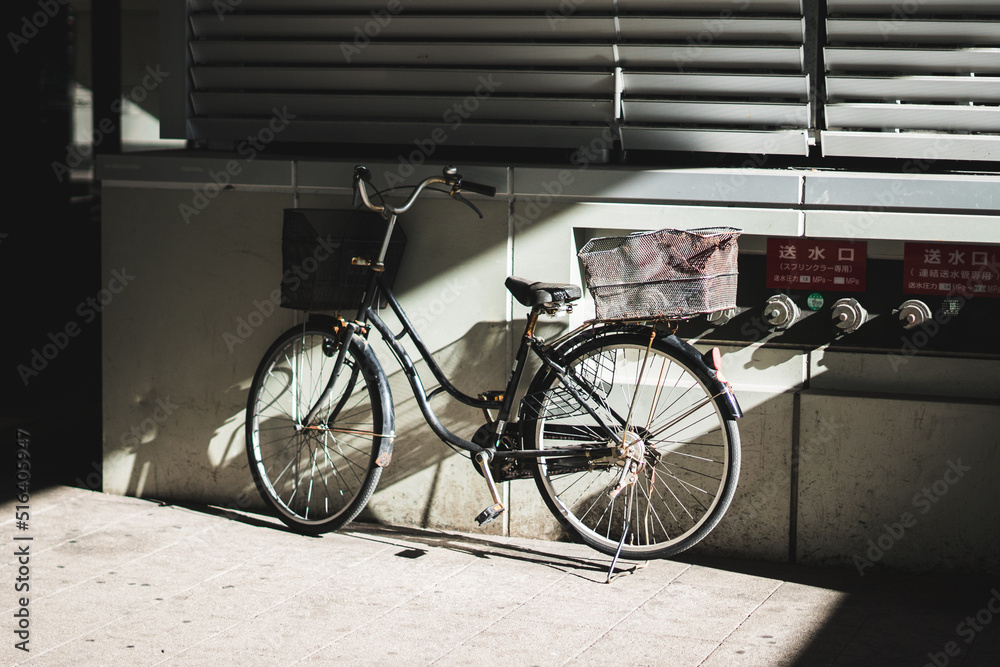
{"points": [[317, 246]]}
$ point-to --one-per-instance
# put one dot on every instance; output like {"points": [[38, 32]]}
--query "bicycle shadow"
{"points": [[480, 547], [405, 537], [242, 516]]}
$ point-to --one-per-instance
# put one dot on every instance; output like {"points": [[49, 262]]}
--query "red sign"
{"points": [[951, 269], [837, 266]]}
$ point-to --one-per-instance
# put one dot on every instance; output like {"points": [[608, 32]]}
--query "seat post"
{"points": [[482, 459], [529, 329]]}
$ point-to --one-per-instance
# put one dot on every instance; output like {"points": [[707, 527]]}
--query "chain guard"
{"points": [[503, 470]]}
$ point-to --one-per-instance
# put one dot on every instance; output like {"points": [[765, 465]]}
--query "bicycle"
{"points": [[628, 431]]}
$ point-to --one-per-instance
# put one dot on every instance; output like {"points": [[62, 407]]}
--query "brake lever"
{"points": [[458, 195]]}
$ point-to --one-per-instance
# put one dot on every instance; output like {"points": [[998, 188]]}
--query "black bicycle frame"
{"points": [[368, 314]]}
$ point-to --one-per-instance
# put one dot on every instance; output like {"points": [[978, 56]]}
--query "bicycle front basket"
{"points": [[317, 246], [666, 274]]}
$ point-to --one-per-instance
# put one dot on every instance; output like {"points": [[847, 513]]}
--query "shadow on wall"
{"points": [[470, 362], [174, 394]]}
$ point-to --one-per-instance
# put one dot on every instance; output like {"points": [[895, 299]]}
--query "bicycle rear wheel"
{"points": [[682, 447], [316, 477]]}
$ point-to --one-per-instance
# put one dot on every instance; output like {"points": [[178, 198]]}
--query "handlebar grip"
{"points": [[361, 173], [479, 188]]}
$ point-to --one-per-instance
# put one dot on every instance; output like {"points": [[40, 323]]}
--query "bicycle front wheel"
{"points": [[676, 454], [318, 476]]}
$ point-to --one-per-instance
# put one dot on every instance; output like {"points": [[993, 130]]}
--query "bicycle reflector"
{"points": [[713, 359]]}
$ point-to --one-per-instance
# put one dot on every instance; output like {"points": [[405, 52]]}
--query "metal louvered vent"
{"points": [[913, 80], [714, 75], [731, 79]]}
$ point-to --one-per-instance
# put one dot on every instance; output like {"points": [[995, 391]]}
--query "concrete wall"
{"points": [[837, 447]]}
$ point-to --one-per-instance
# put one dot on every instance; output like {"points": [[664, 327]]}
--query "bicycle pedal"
{"points": [[490, 513]]}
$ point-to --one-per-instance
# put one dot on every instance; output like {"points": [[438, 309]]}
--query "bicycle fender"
{"points": [[368, 357], [725, 398], [385, 396]]}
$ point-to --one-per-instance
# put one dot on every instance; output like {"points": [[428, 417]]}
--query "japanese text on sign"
{"points": [[814, 264], [951, 269]]}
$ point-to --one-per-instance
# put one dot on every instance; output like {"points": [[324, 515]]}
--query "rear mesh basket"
{"points": [[666, 274]]}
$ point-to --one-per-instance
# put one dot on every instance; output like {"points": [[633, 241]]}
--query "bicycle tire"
{"points": [[691, 446], [317, 479]]}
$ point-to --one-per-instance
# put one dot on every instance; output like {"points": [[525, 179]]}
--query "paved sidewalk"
{"points": [[121, 581]]}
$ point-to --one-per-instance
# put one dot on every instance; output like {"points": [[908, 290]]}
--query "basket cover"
{"points": [[666, 274], [317, 246]]}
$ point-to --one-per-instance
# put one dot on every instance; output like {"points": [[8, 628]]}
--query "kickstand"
{"points": [[612, 575]]}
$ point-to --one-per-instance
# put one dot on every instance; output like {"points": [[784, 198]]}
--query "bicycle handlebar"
{"points": [[479, 188], [450, 177]]}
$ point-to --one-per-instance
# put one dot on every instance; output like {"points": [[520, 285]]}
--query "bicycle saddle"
{"points": [[542, 294]]}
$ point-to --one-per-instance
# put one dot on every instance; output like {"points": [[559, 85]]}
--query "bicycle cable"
{"points": [[450, 192], [411, 188]]}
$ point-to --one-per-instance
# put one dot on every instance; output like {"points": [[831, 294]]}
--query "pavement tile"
{"points": [[716, 579], [695, 612], [786, 624], [405, 635], [121, 581], [523, 643], [644, 648], [904, 649]]}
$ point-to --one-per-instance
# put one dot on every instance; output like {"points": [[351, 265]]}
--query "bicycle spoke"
{"points": [[317, 477], [656, 394], [649, 505], [667, 426], [685, 415]]}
